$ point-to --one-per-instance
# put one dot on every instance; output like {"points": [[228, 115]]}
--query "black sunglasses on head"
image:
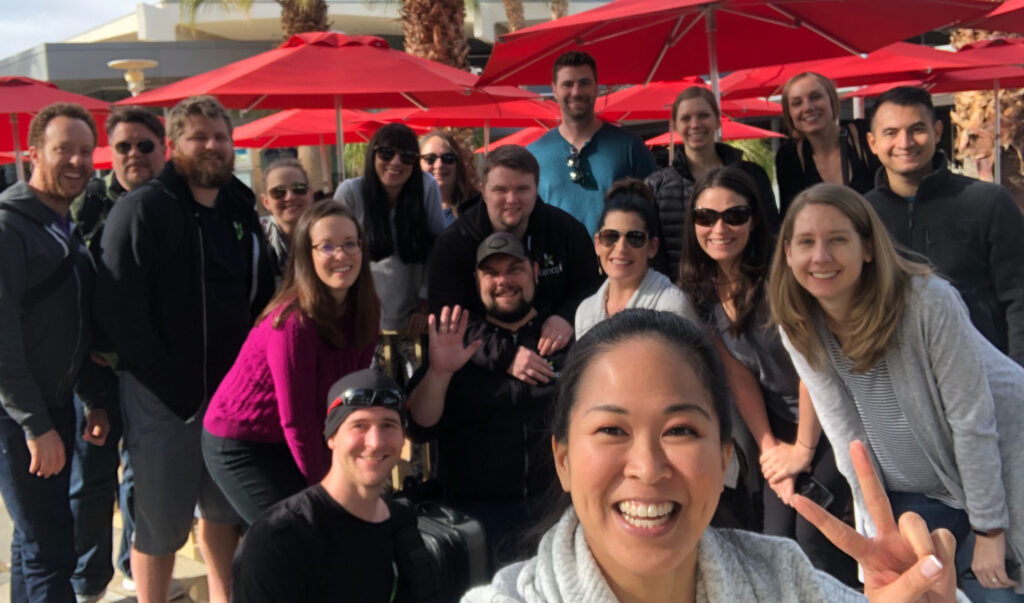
{"points": [[734, 216], [365, 398], [446, 158], [279, 192], [634, 238], [388, 153], [144, 146]]}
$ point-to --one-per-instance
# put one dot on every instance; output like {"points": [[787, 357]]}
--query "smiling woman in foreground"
{"points": [[640, 441]]}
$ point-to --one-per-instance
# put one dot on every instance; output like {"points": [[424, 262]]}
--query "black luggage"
{"points": [[458, 545]]}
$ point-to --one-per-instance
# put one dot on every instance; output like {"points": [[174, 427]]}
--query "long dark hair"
{"points": [[697, 270], [303, 291], [414, 239]]}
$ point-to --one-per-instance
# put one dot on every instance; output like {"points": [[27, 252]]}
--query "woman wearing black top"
{"points": [[820, 149]]}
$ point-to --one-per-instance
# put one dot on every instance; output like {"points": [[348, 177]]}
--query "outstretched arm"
{"points": [[447, 355]]}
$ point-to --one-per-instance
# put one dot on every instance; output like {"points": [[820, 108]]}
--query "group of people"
{"points": [[618, 359]]}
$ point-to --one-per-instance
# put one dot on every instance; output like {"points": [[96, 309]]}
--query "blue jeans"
{"points": [[43, 544], [937, 515], [93, 488]]}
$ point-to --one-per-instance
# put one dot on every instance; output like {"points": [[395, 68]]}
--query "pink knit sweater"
{"points": [[277, 389]]}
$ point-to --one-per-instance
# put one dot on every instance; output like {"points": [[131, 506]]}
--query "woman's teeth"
{"points": [[824, 275], [643, 515]]}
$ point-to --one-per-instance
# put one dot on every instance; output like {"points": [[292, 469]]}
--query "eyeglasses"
{"points": [[734, 216], [634, 238], [575, 163], [278, 192], [446, 158], [329, 250], [144, 146], [388, 153], [364, 398]]}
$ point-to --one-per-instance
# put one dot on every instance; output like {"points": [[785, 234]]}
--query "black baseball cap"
{"points": [[500, 242]]}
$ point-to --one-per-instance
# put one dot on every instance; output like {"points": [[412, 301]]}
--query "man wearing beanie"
{"points": [[338, 540]]}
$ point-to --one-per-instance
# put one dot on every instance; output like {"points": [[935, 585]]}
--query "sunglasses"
{"points": [[734, 216], [575, 163], [634, 238], [144, 146], [365, 398], [388, 153], [446, 158], [331, 250], [278, 192]]}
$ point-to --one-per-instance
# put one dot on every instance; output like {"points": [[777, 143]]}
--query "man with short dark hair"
{"points": [[339, 540], [46, 286], [182, 277], [583, 156], [971, 231], [489, 425], [136, 140], [567, 272]]}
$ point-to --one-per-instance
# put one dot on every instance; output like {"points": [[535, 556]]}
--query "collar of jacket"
{"points": [[931, 185], [21, 198], [729, 155], [478, 222]]}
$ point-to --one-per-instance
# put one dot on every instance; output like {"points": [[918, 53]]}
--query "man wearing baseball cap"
{"points": [[489, 425], [339, 540]]}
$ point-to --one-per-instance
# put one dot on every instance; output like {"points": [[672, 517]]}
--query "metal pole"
{"points": [[325, 169], [997, 144], [858, 107], [487, 137], [339, 129], [710, 26], [18, 165]]}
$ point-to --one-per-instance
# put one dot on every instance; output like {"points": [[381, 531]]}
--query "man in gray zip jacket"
{"points": [[182, 277], [46, 285]]}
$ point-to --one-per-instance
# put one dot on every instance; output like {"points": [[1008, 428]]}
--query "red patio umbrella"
{"points": [[301, 127], [23, 97], [329, 70], [731, 130], [654, 101], [1009, 16], [522, 138], [637, 41], [899, 61]]}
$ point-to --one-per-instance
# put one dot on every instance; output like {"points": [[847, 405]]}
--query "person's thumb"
{"points": [[914, 582]]}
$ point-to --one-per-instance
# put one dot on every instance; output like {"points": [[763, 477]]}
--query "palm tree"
{"points": [[297, 16], [434, 30]]}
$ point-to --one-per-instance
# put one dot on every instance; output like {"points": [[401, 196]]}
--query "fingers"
{"points": [[843, 536], [875, 500], [915, 530], [912, 584]]}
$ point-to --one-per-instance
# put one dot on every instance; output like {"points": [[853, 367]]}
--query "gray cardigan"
{"points": [[655, 292], [962, 397], [732, 566]]}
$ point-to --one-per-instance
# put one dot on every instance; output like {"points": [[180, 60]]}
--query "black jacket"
{"points": [[151, 297], [973, 234], [554, 239], [673, 185], [492, 438], [43, 346]]}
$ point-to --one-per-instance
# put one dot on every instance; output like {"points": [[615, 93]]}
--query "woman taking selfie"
{"points": [[820, 150], [442, 158], [890, 357], [726, 258], [263, 438], [696, 118], [641, 444]]}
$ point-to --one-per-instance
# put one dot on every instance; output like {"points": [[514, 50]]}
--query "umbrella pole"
{"points": [[487, 137], [339, 129], [671, 143], [325, 170], [997, 150], [710, 26], [18, 165]]}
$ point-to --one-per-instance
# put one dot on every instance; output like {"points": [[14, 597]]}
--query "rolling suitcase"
{"points": [[458, 545]]}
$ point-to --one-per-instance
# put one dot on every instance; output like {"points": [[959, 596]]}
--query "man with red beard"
{"points": [[46, 282], [489, 425], [183, 275]]}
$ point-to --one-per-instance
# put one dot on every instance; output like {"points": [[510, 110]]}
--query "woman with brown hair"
{"points": [[263, 436], [443, 158], [890, 357]]}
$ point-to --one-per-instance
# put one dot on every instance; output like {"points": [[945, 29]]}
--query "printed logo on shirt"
{"points": [[239, 231]]}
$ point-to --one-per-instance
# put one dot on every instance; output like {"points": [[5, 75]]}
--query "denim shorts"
{"points": [[170, 477]]}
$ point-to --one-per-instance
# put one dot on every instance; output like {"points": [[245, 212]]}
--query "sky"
{"points": [[26, 23]]}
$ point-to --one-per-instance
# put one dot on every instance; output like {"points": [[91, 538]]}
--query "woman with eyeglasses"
{"points": [[442, 157], [696, 118], [263, 431], [625, 244], [640, 441], [724, 271], [890, 357], [399, 208], [287, 195], [820, 149]]}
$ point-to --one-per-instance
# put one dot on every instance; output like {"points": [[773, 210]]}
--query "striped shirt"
{"points": [[905, 468]]}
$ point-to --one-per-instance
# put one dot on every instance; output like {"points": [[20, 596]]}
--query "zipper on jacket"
{"points": [[65, 243], [202, 298]]}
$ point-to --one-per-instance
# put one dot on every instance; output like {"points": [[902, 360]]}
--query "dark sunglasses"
{"points": [[144, 146], [634, 238], [388, 153], [278, 192], [575, 163], [734, 216], [365, 398], [446, 158]]}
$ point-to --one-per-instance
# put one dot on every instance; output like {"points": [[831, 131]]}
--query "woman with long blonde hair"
{"points": [[890, 357]]}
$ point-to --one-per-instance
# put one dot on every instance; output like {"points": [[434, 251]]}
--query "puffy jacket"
{"points": [[151, 295], [673, 185]]}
